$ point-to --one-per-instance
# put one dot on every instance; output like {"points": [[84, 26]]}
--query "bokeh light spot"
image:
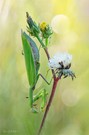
{"points": [[70, 98], [60, 24]]}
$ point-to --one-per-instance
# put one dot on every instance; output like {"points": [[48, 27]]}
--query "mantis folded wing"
{"points": [[31, 54]]}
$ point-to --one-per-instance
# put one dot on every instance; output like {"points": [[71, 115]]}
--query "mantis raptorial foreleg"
{"points": [[33, 98], [41, 94], [44, 99]]}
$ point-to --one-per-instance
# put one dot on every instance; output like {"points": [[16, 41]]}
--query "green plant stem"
{"points": [[46, 41], [41, 42], [46, 51]]}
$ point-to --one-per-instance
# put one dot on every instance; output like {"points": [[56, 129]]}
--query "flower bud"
{"points": [[32, 27], [46, 30]]}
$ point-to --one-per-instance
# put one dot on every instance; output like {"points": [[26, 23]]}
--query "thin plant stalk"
{"points": [[49, 103], [55, 81]]}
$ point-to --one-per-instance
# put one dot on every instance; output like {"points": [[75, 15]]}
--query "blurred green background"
{"points": [[69, 112]]}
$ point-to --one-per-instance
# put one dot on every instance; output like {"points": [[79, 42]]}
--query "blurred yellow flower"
{"points": [[43, 25]]}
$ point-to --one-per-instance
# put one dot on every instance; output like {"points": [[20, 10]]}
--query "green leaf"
{"points": [[29, 60]]}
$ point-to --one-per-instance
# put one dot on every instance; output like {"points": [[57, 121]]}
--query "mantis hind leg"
{"points": [[45, 79]]}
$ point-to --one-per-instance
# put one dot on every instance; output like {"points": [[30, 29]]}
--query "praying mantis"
{"points": [[31, 55]]}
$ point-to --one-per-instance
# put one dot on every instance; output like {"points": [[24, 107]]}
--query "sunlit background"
{"points": [[69, 112]]}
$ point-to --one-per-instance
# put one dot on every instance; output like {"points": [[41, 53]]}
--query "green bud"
{"points": [[32, 27], [46, 30]]}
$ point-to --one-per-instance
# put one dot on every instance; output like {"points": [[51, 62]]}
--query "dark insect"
{"points": [[65, 71]]}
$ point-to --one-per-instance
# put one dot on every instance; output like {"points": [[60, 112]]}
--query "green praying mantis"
{"points": [[31, 54]]}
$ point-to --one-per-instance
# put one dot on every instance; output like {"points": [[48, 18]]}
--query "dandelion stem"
{"points": [[49, 103], [53, 87]]}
